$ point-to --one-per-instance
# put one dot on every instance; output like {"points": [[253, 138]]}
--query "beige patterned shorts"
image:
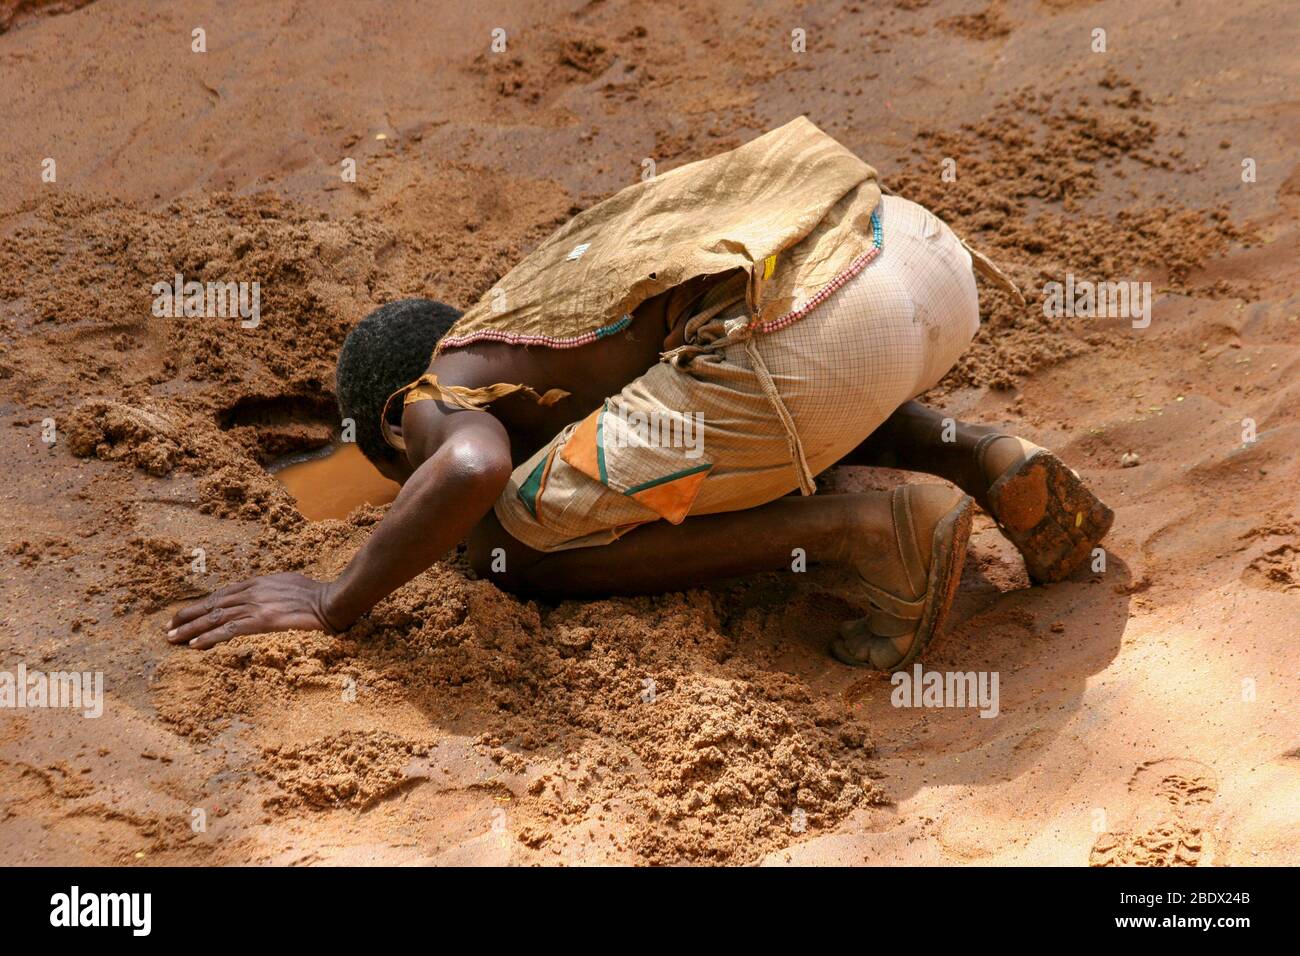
{"points": [[708, 437]]}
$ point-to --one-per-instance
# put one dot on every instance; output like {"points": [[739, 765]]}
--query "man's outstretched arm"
{"points": [[466, 468]]}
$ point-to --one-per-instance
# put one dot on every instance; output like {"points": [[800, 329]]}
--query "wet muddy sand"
{"points": [[1148, 710]]}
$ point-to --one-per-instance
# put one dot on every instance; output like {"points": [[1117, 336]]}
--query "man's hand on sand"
{"points": [[276, 602]]}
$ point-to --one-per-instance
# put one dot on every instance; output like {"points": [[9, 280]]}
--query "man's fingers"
{"points": [[193, 611], [229, 596], [214, 618], [245, 625]]}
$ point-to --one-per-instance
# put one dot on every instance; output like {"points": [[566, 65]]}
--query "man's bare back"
{"points": [[589, 373]]}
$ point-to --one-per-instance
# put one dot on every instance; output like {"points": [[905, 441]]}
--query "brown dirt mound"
{"points": [[354, 769], [112, 431], [664, 705]]}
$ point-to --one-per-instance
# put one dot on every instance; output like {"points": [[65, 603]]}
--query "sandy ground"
{"points": [[1148, 711]]}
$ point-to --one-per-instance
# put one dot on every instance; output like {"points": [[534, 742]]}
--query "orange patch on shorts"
{"points": [[672, 500], [581, 449]]}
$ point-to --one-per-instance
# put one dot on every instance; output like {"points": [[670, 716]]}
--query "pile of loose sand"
{"points": [[351, 769], [662, 705]]}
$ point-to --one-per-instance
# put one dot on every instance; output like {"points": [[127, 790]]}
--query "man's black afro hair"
{"points": [[389, 348]]}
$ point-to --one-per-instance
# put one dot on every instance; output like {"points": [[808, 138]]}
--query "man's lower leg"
{"points": [[663, 557], [918, 438]]}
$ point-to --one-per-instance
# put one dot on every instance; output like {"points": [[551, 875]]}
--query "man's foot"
{"points": [[910, 580], [1041, 506]]}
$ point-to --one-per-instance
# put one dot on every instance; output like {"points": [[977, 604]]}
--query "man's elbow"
{"points": [[479, 469]]}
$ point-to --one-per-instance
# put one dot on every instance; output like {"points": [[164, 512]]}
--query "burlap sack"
{"points": [[792, 208]]}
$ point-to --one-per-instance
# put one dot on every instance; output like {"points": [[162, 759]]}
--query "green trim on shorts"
{"points": [[532, 487], [667, 478]]}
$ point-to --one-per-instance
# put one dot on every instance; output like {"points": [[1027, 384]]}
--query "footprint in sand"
{"points": [[1275, 570], [1167, 820]]}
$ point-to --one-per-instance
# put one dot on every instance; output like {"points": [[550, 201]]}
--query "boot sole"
{"points": [[1045, 510]]}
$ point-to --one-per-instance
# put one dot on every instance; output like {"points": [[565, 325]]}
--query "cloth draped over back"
{"points": [[791, 208]]}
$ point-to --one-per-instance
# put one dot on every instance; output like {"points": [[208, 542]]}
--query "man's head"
{"points": [[389, 348]]}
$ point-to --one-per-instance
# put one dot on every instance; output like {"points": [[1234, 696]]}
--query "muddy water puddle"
{"points": [[331, 482]]}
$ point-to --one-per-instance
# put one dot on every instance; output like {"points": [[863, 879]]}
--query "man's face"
{"points": [[396, 469]]}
